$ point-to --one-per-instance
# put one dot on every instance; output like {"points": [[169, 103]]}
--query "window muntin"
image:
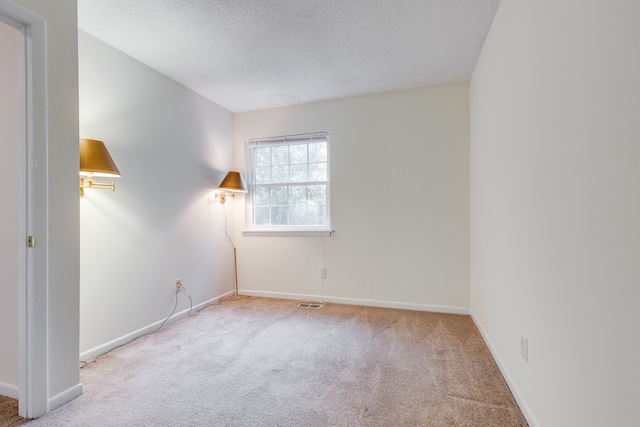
{"points": [[288, 183]]}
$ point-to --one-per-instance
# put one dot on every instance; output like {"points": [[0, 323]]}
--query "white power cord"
{"points": [[179, 287]]}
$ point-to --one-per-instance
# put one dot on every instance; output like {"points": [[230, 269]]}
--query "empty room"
{"points": [[320, 213]]}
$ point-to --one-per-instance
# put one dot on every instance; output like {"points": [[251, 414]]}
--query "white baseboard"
{"points": [[512, 386], [54, 402], [61, 398], [356, 301], [9, 390], [106, 347]]}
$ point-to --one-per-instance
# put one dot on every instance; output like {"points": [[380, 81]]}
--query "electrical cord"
{"points": [[325, 253], [191, 304], [84, 363], [175, 306], [235, 258], [226, 226]]}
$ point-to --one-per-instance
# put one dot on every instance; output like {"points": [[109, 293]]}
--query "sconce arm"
{"points": [[222, 195], [88, 183]]}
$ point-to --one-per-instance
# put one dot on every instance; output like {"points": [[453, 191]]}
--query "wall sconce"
{"points": [[233, 182], [95, 160]]}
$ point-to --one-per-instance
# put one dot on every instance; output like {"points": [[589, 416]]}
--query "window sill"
{"points": [[291, 233]]}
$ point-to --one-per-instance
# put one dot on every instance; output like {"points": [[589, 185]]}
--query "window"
{"points": [[288, 181]]}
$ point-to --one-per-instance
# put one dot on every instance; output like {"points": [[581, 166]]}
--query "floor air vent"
{"points": [[309, 305]]}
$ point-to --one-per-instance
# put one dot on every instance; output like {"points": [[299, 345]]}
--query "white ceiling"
{"points": [[254, 54]]}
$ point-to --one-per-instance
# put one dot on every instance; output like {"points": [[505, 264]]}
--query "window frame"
{"points": [[250, 168]]}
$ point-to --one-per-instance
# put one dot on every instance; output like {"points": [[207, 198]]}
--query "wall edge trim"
{"points": [[357, 301], [526, 411]]}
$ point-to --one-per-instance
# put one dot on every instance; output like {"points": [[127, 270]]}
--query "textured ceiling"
{"points": [[255, 54]]}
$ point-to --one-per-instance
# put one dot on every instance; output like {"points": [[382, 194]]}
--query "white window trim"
{"points": [[289, 233], [289, 230]]}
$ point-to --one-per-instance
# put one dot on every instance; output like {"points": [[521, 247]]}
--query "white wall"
{"points": [[172, 148], [555, 206], [399, 202], [10, 135]]}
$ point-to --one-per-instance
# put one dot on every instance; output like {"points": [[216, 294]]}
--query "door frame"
{"points": [[33, 280]]}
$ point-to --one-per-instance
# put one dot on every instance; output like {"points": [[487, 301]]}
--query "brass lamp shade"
{"points": [[233, 182], [95, 159]]}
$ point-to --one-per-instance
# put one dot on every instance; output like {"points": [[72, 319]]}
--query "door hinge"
{"points": [[31, 241]]}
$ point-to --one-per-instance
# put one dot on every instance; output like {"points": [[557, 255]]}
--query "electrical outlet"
{"points": [[323, 272], [524, 348], [178, 284]]}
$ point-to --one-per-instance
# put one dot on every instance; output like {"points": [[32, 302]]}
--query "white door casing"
{"points": [[33, 276]]}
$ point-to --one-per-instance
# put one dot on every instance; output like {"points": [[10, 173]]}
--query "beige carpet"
{"points": [[9, 413], [264, 362]]}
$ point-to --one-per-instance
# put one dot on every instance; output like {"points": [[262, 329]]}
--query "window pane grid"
{"points": [[290, 205], [289, 182], [290, 163]]}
